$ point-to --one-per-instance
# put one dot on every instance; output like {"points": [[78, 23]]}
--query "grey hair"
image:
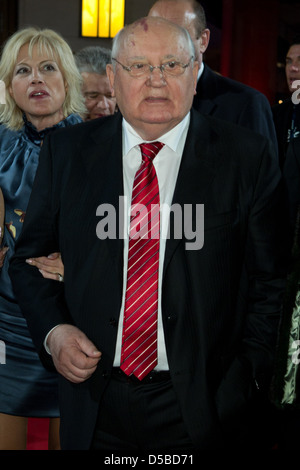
{"points": [[118, 40], [93, 59]]}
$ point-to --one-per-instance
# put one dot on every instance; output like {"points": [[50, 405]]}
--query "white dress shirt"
{"points": [[166, 164], [200, 71]]}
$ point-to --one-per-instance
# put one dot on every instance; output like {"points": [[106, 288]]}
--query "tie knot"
{"points": [[150, 150]]}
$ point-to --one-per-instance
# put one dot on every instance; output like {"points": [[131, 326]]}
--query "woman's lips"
{"points": [[38, 94]]}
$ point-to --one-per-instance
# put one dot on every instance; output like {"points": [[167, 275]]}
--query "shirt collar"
{"points": [[172, 139], [200, 71]]}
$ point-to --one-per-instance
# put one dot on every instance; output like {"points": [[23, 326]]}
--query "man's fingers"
{"points": [[74, 355], [79, 374], [76, 366], [88, 348]]}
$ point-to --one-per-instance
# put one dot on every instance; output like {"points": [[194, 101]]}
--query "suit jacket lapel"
{"points": [[196, 172], [103, 166]]}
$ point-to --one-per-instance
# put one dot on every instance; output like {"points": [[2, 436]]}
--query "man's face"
{"points": [[157, 102], [182, 13], [292, 67], [97, 93]]}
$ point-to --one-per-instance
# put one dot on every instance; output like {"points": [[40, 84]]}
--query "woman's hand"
{"points": [[51, 267]]}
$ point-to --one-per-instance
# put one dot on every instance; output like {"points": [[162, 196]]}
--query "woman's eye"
{"points": [[22, 70], [49, 67]]}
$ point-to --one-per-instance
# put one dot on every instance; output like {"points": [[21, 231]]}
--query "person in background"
{"points": [[285, 384], [91, 62], [197, 375], [216, 95], [43, 95], [285, 390], [287, 114]]}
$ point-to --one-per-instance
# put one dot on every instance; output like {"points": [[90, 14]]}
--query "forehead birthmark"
{"points": [[143, 23]]}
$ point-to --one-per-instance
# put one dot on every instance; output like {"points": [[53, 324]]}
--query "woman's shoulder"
{"points": [[8, 136], [5, 131]]}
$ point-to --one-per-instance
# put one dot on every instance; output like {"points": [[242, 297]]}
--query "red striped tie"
{"points": [[139, 342]]}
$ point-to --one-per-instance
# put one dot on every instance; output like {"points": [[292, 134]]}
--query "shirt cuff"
{"points": [[45, 340]]}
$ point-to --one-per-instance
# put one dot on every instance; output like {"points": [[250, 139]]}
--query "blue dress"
{"points": [[26, 387]]}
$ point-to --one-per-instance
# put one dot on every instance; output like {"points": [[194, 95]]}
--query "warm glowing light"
{"points": [[102, 18], [116, 16], [89, 13]]}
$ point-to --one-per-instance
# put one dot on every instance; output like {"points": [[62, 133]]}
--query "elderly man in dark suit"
{"points": [[217, 96], [164, 329]]}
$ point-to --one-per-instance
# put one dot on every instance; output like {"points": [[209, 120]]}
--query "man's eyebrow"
{"points": [[137, 57], [165, 57], [291, 58]]}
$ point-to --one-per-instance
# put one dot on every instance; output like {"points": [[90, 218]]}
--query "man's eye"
{"points": [[139, 67], [92, 96], [172, 65]]}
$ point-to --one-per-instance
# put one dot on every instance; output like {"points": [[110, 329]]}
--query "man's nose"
{"points": [[295, 67], [156, 77], [102, 103]]}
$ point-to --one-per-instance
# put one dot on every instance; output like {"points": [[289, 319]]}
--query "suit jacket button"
{"points": [[113, 322], [171, 318]]}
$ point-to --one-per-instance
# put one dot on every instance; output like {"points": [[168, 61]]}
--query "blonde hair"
{"points": [[49, 42]]}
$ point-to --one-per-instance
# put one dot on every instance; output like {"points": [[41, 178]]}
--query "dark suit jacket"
{"points": [[291, 176], [219, 349], [233, 101], [282, 114]]}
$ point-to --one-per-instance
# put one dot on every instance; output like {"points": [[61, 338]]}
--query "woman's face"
{"points": [[38, 88]]}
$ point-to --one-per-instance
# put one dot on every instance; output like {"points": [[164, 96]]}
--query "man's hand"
{"points": [[74, 355]]}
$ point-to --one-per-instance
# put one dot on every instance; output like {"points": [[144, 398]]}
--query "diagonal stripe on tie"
{"points": [[139, 340]]}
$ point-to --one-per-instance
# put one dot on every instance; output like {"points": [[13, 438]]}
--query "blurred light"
{"points": [[102, 18]]}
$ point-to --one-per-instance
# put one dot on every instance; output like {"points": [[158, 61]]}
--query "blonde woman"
{"points": [[43, 94]]}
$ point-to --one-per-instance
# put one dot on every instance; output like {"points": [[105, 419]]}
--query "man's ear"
{"points": [[111, 78], [205, 36], [195, 75]]}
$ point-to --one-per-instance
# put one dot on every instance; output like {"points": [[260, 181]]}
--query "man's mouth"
{"points": [[156, 99]]}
